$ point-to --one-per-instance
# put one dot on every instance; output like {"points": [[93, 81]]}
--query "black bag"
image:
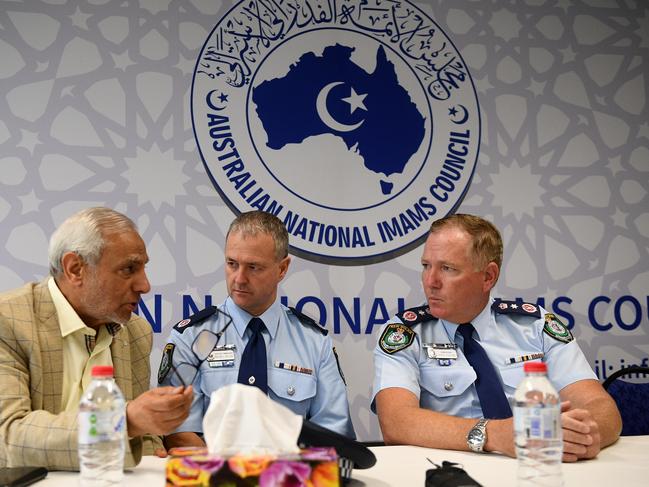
{"points": [[449, 475]]}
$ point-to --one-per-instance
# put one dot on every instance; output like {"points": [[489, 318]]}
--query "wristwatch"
{"points": [[477, 436]]}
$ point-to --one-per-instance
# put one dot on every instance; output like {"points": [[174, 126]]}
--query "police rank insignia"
{"points": [[556, 329], [396, 337], [195, 319], [166, 362], [515, 307]]}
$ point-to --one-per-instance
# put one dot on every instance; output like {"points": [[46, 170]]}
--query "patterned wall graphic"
{"points": [[96, 110]]}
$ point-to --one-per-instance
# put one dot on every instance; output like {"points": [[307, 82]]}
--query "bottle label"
{"points": [[538, 423], [100, 426]]}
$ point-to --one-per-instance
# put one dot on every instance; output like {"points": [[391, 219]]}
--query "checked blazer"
{"points": [[33, 429]]}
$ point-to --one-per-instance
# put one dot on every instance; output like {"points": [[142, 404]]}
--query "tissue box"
{"points": [[313, 467]]}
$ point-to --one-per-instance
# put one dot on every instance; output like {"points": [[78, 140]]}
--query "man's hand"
{"points": [[185, 438], [581, 438], [160, 452], [158, 411]]}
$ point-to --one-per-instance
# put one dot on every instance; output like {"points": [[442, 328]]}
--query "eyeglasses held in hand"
{"points": [[202, 346]]}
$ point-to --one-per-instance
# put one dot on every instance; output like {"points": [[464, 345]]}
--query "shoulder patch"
{"points": [[514, 307], [556, 329], [166, 362], [195, 319], [308, 321], [395, 337], [416, 315]]}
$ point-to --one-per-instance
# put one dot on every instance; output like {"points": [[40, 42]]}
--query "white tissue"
{"points": [[243, 420]]}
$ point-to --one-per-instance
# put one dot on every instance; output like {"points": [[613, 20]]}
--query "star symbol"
{"points": [[79, 19], [185, 65], [568, 54], [537, 87], [452, 111], [483, 84], [122, 61], [643, 131], [30, 202], [29, 140], [223, 97], [355, 101], [514, 306], [615, 165], [619, 218]]}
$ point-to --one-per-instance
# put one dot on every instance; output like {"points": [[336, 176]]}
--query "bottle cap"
{"points": [[102, 371], [533, 367]]}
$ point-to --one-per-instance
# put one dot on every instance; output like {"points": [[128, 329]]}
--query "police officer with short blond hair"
{"points": [[445, 372]]}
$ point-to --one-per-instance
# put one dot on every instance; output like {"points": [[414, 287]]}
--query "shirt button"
{"points": [[448, 386], [290, 391], [251, 380]]}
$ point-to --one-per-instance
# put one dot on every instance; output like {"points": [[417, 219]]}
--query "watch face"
{"points": [[476, 436], [476, 439]]}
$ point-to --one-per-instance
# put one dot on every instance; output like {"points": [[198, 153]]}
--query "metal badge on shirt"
{"points": [[222, 356], [445, 353]]}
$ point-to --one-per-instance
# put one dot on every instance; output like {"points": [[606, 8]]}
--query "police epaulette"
{"points": [[416, 315], [195, 319], [516, 307], [308, 321]]}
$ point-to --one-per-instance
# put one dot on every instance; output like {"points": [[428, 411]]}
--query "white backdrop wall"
{"points": [[96, 110]]}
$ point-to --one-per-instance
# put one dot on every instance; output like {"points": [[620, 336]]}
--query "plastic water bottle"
{"points": [[102, 430], [537, 429]]}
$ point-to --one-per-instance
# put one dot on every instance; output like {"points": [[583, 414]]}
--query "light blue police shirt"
{"points": [[509, 340], [303, 372]]}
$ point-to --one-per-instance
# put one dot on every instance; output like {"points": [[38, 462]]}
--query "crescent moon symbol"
{"points": [[211, 104], [325, 116], [464, 118]]}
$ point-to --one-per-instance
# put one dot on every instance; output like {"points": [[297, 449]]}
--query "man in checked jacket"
{"points": [[53, 332]]}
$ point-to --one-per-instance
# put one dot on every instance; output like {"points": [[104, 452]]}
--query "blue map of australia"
{"points": [[330, 94]]}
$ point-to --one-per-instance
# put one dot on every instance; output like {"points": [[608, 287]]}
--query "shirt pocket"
{"points": [[512, 375], [213, 379], [448, 381], [292, 389]]}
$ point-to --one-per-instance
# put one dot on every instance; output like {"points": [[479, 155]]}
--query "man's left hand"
{"points": [[581, 438]]}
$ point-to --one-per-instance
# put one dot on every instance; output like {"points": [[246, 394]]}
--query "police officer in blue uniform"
{"points": [[299, 367], [445, 372]]}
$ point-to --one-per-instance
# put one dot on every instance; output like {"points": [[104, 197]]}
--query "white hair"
{"points": [[83, 233]]}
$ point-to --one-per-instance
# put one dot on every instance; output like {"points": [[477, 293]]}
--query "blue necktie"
{"points": [[490, 391], [253, 369]]}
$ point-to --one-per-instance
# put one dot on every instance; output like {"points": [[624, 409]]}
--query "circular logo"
{"points": [[183, 323], [409, 316], [530, 308], [356, 122], [396, 338]]}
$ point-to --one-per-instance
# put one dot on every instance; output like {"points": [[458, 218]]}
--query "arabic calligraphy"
{"points": [[254, 27]]}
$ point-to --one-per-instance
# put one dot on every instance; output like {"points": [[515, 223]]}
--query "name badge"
{"points": [[221, 357], [442, 351]]}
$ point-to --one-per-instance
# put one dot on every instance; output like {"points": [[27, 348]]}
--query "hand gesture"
{"points": [[158, 411]]}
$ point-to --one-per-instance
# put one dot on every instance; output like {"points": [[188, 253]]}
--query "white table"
{"points": [[625, 464]]}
